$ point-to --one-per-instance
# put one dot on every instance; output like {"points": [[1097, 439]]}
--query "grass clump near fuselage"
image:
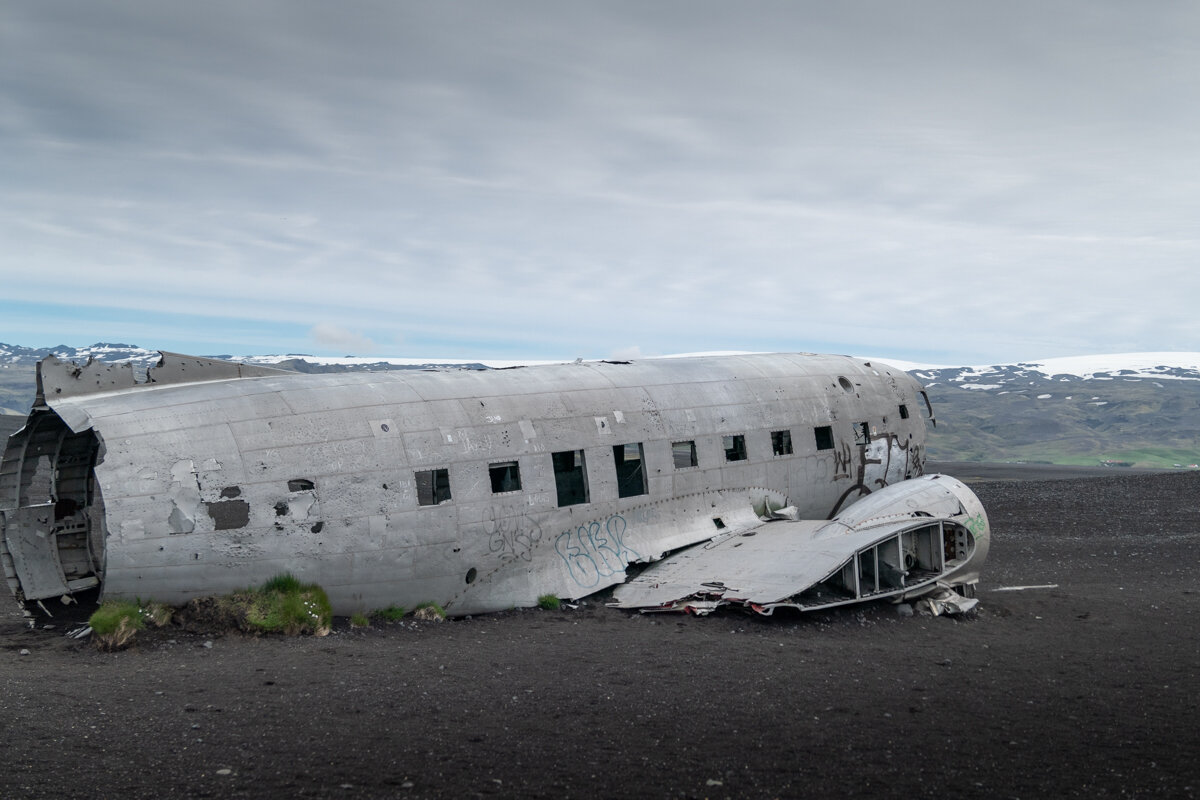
{"points": [[390, 614], [285, 605], [359, 620], [549, 602], [429, 612], [116, 622]]}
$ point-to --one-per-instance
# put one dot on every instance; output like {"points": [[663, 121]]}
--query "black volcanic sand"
{"points": [[1086, 689]]}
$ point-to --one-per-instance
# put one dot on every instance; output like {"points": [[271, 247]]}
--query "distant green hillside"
{"points": [[1066, 419]]}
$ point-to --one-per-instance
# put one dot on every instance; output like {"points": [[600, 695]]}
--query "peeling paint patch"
{"points": [[229, 514], [303, 505], [179, 521]]}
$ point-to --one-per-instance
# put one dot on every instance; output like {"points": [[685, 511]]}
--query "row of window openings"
{"points": [[570, 474]]}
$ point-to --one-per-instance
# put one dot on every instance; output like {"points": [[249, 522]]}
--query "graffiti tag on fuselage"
{"points": [[594, 550], [512, 537]]}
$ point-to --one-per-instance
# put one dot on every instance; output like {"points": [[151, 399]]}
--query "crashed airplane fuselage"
{"points": [[484, 490]]}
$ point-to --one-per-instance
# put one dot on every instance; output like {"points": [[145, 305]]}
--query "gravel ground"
{"points": [[1084, 687]]}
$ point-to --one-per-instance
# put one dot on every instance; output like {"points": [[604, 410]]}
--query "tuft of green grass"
{"points": [[283, 583], [359, 620], [430, 612], [285, 605], [549, 602], [113, 614], [391, 613], [115, 623]]}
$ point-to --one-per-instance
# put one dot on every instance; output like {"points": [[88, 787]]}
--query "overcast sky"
{"points": [[944, 182]]}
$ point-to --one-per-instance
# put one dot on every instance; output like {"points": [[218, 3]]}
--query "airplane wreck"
{"points": [[758, 481]]}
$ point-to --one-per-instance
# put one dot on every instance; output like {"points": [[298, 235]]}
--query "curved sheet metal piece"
{"points": [[902, 541]]}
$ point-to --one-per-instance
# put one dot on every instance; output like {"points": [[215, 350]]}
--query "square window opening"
{"points": [[735, 447], [631, 472], [506, 477], [824, 436], [570, 477], [684, 454], [433, 486], [903, 411], [781, 443]]}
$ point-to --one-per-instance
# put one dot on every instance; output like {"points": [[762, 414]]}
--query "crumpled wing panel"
{"points": [[918, 536]]}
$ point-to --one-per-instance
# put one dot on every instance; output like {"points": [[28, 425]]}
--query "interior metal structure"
{"points": [[51, 510], [908, 560]]}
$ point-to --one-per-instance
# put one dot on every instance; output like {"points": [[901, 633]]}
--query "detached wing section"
{"points": [[913, 538]]}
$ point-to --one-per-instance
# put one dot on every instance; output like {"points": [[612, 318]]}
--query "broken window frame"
{"points": [[824, 437], [928, 408], [903, 411], [505, 476], [686, 449], [570, 477], [862, 433], [433, 486], [734, 445], [781, 442], [631, 476]]}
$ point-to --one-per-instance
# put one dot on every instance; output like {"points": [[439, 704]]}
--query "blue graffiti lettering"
{"points": [[593, 550]]}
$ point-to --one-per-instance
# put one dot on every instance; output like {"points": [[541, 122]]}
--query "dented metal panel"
{"points": [[58, 379], [31, 543]]}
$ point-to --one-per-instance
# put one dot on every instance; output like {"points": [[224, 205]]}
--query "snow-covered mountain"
{"points": [[1162, 365], [12, 354], [1123, 366], [143, 358]]}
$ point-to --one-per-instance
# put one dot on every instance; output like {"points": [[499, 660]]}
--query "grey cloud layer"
{"points": [[672, 175]]}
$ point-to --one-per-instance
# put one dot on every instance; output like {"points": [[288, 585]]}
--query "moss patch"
{"points": [[390, 614]]}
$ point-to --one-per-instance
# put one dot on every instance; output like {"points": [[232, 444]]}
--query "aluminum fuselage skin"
{"points": [[208, 486]]}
